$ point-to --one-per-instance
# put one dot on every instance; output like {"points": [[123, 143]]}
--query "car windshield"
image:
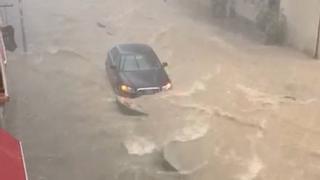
{"points": [[136, 62]]}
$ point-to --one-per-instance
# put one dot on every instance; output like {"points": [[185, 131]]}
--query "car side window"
{"points": [[115, 57]]}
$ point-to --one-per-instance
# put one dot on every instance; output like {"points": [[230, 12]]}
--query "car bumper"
{"points": [[139, 93]]}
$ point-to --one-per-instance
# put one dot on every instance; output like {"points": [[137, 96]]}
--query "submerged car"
{"points": [[135, 70]]}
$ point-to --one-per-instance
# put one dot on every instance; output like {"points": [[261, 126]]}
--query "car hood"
{"points": [[145, 78]]}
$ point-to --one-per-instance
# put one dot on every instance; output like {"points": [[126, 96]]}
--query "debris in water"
{"points": [[110, 33], [139, 146], [106, 26], [100, 25], [290, 98]]}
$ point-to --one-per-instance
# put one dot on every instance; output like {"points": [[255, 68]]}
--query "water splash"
{"points": [[192, 132], [53, 49], [139, 146], [221, 42], [256, 96], [197, 86], [255, 166]]}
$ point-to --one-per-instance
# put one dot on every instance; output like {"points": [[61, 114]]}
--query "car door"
{"points": [[112, 66]]}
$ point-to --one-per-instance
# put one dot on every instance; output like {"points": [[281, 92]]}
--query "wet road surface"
{"points": [[238, 110]]}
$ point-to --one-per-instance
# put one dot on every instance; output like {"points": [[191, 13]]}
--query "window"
{"points": [[135, 62]]}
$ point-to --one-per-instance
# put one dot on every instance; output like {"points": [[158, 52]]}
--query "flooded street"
{"points": [[239, 110]]}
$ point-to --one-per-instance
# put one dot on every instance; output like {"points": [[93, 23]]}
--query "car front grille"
{"points": [[148, 91]]}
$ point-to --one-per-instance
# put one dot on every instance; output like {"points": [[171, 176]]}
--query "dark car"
{"points": [[135, 70]]}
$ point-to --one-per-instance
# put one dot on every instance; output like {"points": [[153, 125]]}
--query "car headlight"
{"points": [[167, 86], [126, 89]]}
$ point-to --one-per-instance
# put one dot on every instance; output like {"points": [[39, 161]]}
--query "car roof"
{"points": [[133, 48]]}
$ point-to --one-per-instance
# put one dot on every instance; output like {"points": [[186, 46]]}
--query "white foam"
{"points": [[196, 87], [255, 166], [221, 42], [53, 49], [192, 132], [308, 101], [139, 146], [256, 96]]}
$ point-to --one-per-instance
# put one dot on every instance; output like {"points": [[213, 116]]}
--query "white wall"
{"points": [[302, 17]]}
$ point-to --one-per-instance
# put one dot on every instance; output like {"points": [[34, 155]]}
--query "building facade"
{"points": [[302, 22], [302, 18]]}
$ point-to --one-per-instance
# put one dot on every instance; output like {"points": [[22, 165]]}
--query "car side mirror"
{"points": [[164, 64]]}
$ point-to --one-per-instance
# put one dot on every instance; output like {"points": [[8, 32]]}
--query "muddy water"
{"points": [[238, 110]]}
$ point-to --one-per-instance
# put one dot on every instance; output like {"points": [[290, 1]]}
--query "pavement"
{"points": [[248, 111]]}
